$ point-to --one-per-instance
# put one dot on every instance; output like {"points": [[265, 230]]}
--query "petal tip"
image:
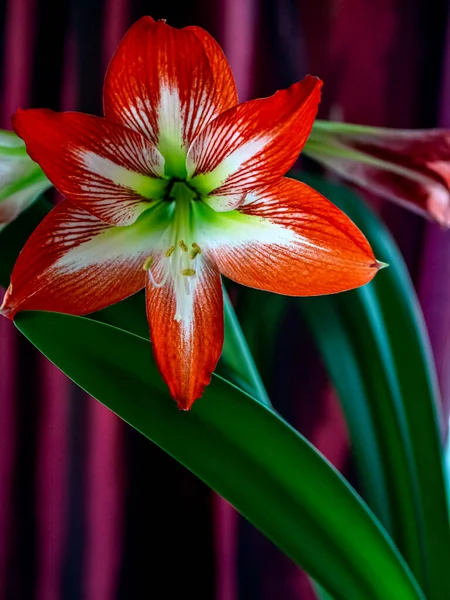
{"points": [[6, 310], [185, 399], [379, 265], [185, 404], [317, 80]]}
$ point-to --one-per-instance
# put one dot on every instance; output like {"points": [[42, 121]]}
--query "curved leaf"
{"points": [[241, 449], [237, 356], [377, 352]]}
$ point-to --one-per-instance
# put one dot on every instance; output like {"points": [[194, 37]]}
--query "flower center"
{"points": [[180, 261]]}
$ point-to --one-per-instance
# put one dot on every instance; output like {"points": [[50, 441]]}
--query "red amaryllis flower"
{"points": [[177, 184], [410, 167]]}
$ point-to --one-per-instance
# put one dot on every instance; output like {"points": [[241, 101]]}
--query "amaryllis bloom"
{"points": [[176, 185], [21, 179], [410, 167]]}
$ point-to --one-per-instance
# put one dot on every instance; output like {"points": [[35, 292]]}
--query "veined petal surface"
{"points": [[287, 239], [104, 168], [75, 263], [225, 86], [252, 145], [187, 350], [167, 84]]}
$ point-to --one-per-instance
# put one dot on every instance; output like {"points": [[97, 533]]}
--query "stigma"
{"points": [[178, 261]]}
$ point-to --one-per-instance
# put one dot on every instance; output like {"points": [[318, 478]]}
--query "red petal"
{"points": [[167, 83], [253, 144], [292, 241], [104, 168], [222, 73], [74, 263], [187, 353]]}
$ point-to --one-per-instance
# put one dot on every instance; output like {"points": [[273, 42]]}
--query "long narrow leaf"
{"points": [[388, 388], [240, 448], [236, 354]]}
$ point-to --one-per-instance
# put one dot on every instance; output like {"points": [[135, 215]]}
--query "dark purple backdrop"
{"points": [[91, 510]]}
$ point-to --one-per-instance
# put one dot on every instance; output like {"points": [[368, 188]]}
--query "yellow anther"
{"points": [[196, 250], [170, 251], [183, 245], [188, 272], [148, 263]]}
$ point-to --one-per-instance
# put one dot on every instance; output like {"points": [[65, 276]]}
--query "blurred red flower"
{"points": [[410, 167]]}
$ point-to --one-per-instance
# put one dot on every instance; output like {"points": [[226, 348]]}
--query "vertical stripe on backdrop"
{"points": [[226, 544], [116, 22], [8, 370], [18, 53], [17, 42], [104, 510], [3, 23], [51, 502], [17, 554], [238, 35]]}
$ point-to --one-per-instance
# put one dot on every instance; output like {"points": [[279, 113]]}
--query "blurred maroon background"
{"points": [[89, 509]]}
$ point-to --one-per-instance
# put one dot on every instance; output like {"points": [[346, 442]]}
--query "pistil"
{"points": [[179, 261]]}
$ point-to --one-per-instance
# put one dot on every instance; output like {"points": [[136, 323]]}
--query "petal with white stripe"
{"points": [[287, 239], [75, 263], [187, 349], [104, 168], [253, 144], [167, 84]]}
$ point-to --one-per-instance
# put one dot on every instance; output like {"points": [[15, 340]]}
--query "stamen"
{"points": [[148, 263], [170, 251], [196, 250], [188, 272], [154, 282], [183, 245]]}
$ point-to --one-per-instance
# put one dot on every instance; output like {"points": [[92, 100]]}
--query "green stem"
{"points": [[237, 355]]}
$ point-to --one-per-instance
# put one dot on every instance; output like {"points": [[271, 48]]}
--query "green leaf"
{"points": [[374, 344], [237, 356], [260, 315], [13, 237], [243, 450]]}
